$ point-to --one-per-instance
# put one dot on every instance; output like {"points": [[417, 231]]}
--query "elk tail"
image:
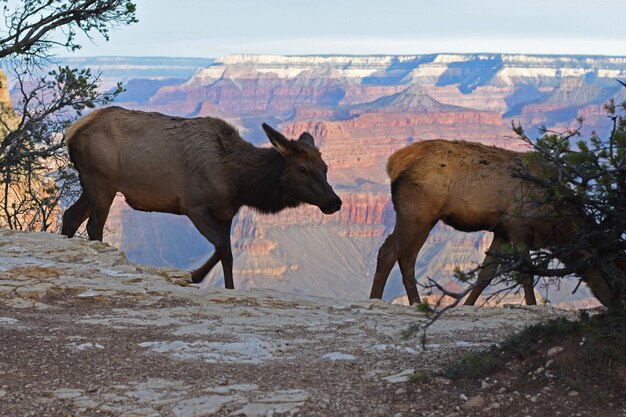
{"points": [[398, 167]]}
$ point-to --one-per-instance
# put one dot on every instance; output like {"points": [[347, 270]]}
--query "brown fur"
{"points": [[198, 167], [468, 186]]}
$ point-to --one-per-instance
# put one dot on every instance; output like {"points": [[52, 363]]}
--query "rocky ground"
{"points": [[85, 333]]}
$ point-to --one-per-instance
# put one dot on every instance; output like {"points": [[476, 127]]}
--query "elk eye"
{"points": [[302, 169]]}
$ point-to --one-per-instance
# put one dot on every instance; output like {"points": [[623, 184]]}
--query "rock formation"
{"points": [[360, 110]]}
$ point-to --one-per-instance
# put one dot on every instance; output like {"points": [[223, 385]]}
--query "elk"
{"points": [[197, 167], [469, 187]]}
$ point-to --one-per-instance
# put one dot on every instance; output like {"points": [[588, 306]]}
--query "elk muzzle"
{"points": [[333, 205]]}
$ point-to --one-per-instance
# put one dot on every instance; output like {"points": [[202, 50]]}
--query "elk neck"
{"points": [[260, 181]]}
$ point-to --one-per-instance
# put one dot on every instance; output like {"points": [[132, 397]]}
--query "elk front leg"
{"points": [[218, 233], [197, 275], [227, 257]]}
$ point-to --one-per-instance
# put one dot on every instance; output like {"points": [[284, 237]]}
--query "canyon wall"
{"points": [[360, 110]]}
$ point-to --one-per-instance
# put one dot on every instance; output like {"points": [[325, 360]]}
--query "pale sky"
{"points": [[213, 28]]}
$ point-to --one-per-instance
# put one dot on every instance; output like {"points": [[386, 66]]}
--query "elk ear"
{"points": [[307, 139], [280, 142]]}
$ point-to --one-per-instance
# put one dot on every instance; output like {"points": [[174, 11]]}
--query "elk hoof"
{"points": [[197, 276]]}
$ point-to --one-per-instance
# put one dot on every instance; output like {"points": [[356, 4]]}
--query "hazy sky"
{"points": [[212, 28]]}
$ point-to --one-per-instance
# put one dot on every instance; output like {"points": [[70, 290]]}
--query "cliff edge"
{"points": [[85, 332]]}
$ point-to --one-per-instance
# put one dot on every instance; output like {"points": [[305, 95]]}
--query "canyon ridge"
{"points": [[360, 109]]}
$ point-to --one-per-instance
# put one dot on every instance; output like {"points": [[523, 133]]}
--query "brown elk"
{"points": [[197, 167], [469, 187]]}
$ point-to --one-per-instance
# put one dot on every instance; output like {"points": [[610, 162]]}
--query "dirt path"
{"points": [[85, 333]]}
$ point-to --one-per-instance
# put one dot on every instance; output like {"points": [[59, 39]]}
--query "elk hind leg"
{"points": [[388, 254], [394, 247], [99, 205], [407, 262], [527, 280], [529, 290], [487, 272], [75, 215]]}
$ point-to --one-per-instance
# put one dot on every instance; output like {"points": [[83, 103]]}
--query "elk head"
{"points": [[304, 175]]}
